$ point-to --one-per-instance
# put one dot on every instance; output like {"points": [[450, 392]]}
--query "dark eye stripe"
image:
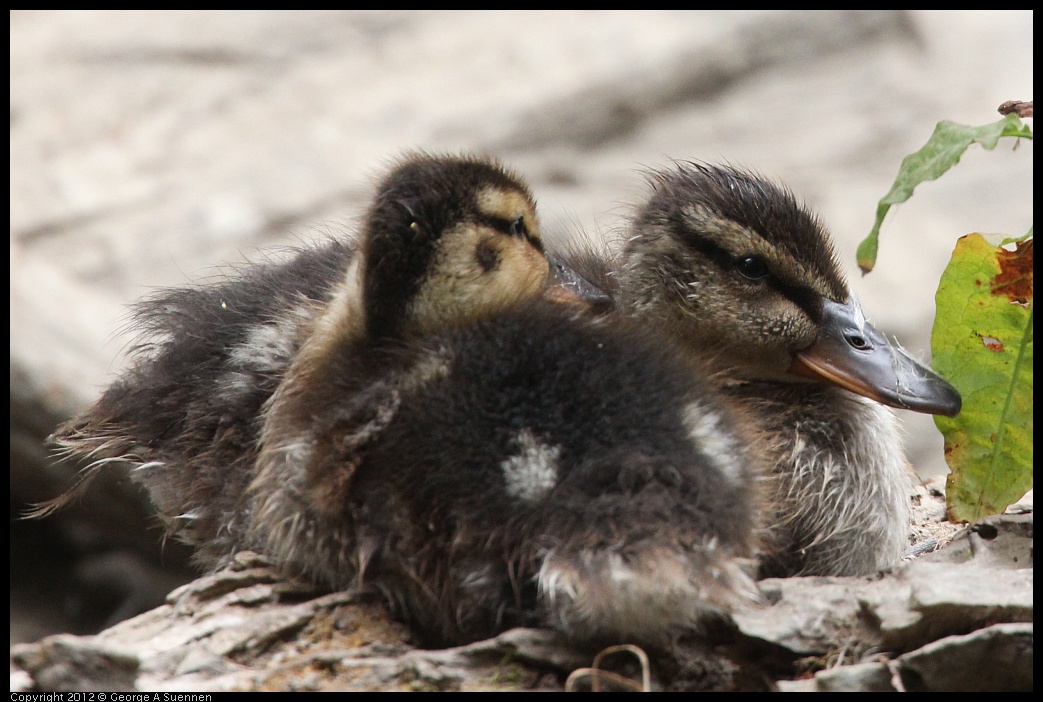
{"points": [[800, 295], [510, 228]]}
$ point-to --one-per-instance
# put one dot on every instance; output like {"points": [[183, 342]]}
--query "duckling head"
{"points": [[445, 241], [737, 269]]}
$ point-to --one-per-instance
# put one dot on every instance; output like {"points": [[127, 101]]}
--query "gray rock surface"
{"points": [[149, 147], [930, 625]]}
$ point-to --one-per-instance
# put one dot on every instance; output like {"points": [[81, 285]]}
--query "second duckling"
{"points": [[746, 280]]}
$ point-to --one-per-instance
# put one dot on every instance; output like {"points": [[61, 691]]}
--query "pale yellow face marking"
{"points": [[459, 287], [509, 205]]}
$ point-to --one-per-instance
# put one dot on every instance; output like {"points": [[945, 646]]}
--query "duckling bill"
{"points": [[851, 353]]}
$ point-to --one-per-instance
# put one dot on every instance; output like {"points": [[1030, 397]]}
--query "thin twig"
{"points": [[596, 673], [1021, 109]]}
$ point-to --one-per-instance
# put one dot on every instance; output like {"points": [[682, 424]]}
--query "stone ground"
{"points": [[148, 147], [940, 622]]}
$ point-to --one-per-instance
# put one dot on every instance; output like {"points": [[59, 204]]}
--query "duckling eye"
{"points": [[858, 342], [518, 228], [752, 267]]}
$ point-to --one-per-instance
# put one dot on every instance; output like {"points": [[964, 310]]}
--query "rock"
{"points": [[992, 659], [244, 628], [861, 677]]}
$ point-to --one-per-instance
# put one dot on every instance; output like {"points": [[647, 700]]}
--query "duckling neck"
{"points": [[345, 323], [840, 481], [343, 320], [339, 325]]}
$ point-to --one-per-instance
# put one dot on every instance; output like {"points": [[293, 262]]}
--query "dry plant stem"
{"points": [[598, 675]]}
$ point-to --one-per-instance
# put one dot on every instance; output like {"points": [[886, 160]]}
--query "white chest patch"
{"points": [[712, 438], [533, 471]]}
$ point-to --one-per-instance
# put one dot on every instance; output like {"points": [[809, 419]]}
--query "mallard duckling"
{"points": [[746, 279], [187, 416], [485, 462]]}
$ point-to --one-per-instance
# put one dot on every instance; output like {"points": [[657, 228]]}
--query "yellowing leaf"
{"points": [[982, 344]]}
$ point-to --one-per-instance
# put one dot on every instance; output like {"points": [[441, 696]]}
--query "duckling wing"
{"points": [[186, 413]]}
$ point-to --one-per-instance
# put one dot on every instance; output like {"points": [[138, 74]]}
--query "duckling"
{"points": [[487, 458], [745, 278], [186, 416]]}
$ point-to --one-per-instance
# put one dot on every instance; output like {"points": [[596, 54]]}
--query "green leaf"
{"points": [[982, 344], [941, 152]]}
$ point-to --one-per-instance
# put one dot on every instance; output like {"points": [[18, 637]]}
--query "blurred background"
{"points": [[149, 147]]}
